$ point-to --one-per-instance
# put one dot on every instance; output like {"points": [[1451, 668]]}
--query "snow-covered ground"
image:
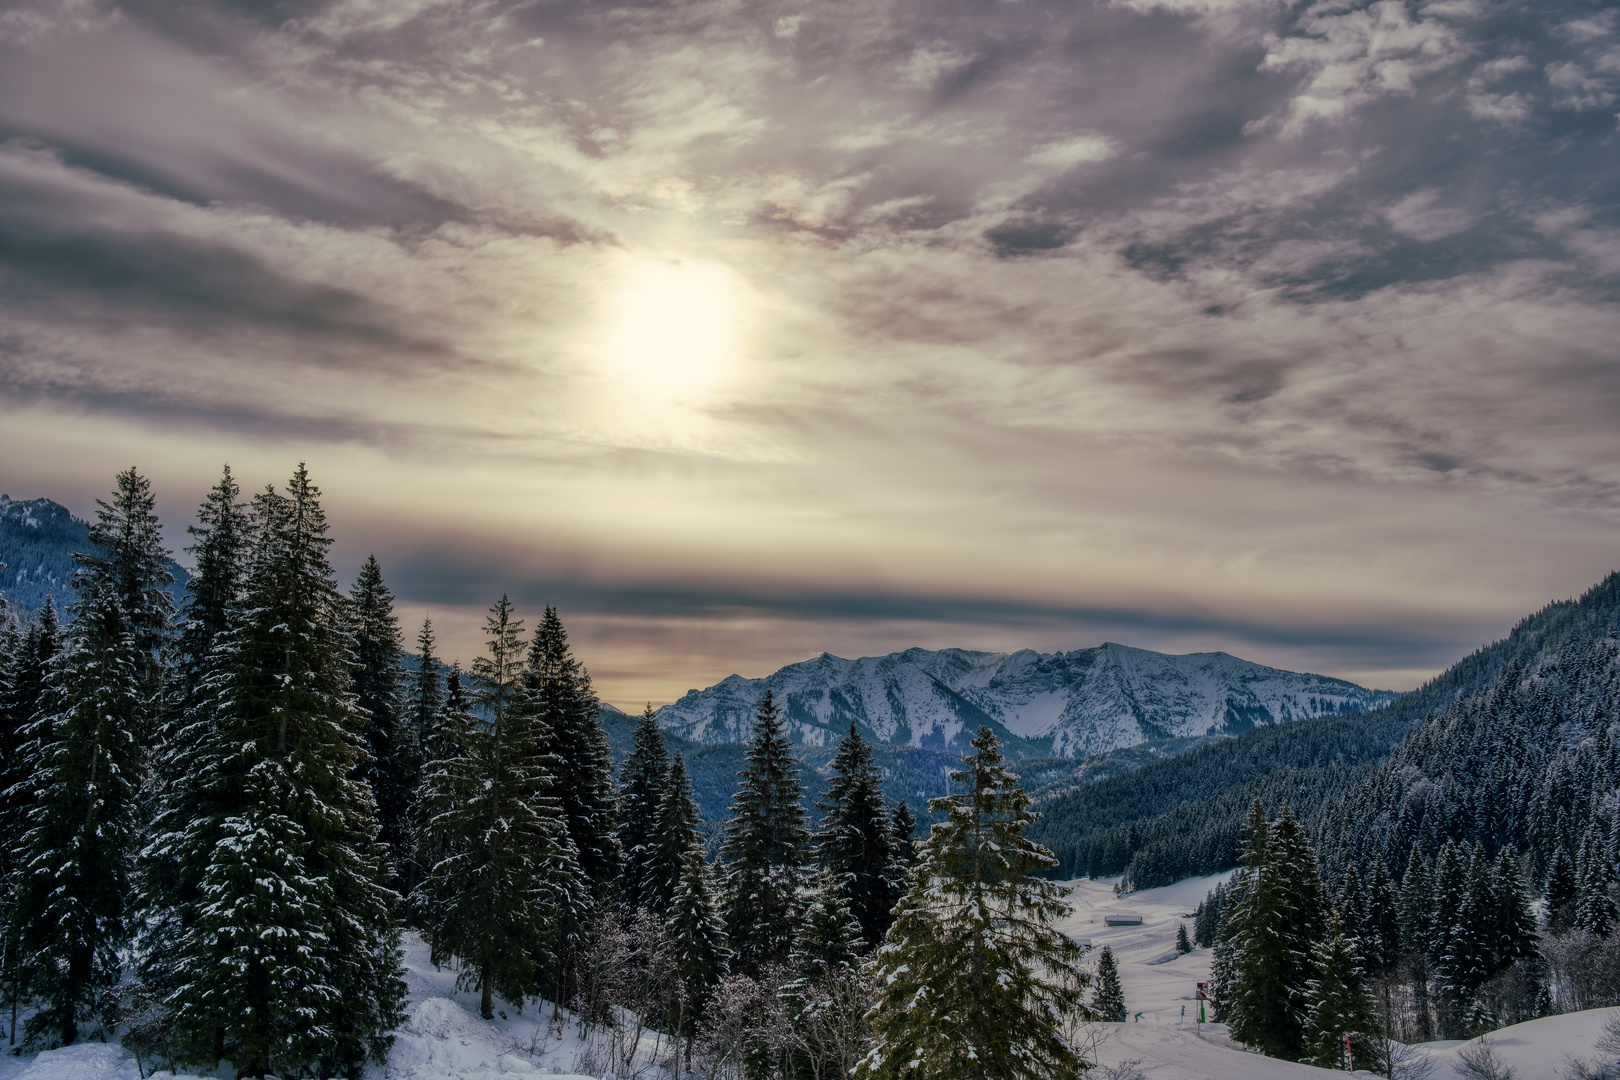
{"points": [[444, 1039], [1168, 1045]]}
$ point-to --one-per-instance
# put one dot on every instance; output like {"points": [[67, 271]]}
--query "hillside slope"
{"points": [[1552, 679], [37, 540]]}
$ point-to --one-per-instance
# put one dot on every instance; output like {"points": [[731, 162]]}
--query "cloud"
{"points": [[1184, 320]]}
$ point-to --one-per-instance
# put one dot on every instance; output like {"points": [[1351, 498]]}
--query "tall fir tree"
{"points": [[86, 752], [823, 997], [1381, 925], [855, 840], [427, 689], [33, 653], [641, 786], [280, 951], [220, 541], [583, 763], [392, 767], [697, 938], [1271, 931], [130, 562], [1595, 908], [1416, 908], [973, 979], [1339, 1008], [767, 847], [1107, 996], [675, 832], [508, 876], [1563, 891]]}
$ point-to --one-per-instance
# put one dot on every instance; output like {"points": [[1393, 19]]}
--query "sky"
{"points": [[744, 331]]}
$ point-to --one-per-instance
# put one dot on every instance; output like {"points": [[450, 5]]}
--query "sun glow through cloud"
{"points": [[673, 331]]}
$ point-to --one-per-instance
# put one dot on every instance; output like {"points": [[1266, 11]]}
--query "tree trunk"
{"points": [[486, 986]]}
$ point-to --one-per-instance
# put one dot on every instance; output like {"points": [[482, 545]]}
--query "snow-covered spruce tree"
{"points": [[1107, 996], [86, 755], [766, 848], [1183, 942], [697, 940], [427, 689], [1339, 1004], [1563, 891], [1271, 932], [561, 691], [1416, 911], [973, 980], [282, 953], [828, 993], [130, 561], [392, 766], [1381, 927], [1595, 909], [221, 540], [32, 656], [508, 874], [674, 832], [641, 786], [855, 840]]}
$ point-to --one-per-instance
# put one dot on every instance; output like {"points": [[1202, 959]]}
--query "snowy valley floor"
{"points": [[444, 1039], [1159, 983]]}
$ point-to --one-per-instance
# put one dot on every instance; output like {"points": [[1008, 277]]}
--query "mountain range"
{"points": [[1064, 704]]}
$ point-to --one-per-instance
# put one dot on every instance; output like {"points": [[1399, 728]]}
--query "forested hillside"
{"points": [[38, 538], [1184, 816]]}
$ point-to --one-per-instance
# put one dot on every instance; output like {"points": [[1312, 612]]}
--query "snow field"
{"points": [[1158, 982]]}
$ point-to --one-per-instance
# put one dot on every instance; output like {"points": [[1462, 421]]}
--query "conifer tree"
{"points": [[1468, 962], [1351, 906], [766, 848], [583, 764], [427, 693], [1271, 931], [855, 840], [641, 787], [1381, 926], [1563, 891], [697, 940], [86, 756], [1446, 891], [973, 979], [1108, 997], [278, 948], [32, 656], [220, 544], [1339, 1004], [508, 875], [393, 765], [824, 997], [130, 562], [1416, 908], [1595, 909], [1183, 943], [675, 831]]}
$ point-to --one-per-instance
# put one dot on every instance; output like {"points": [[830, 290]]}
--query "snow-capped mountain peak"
{"points": [[1070, 704]]}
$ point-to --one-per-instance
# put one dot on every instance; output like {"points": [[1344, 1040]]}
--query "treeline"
{"points": [[219, 820], [1184, 817]]}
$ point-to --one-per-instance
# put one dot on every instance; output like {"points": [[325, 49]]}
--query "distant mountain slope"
{"points": [[1069, 705], [37, 540], [1368, 779]]}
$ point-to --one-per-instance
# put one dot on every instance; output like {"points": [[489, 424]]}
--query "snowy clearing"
{"points": [[1159, 983]]}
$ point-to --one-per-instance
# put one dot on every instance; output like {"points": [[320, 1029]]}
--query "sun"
{"points": [[673, 328]]}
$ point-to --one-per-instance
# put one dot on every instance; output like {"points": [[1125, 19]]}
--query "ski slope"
{"points": [[1159, 984]]}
